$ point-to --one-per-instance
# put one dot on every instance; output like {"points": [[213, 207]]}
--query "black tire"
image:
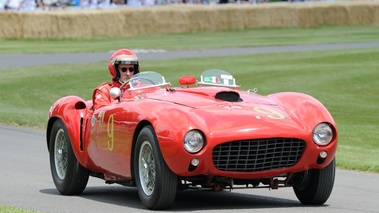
{"points": [[70, 178], [317, 185], [156, 183]]}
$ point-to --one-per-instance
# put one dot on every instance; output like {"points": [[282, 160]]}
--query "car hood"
{"points": [[202, 98], [241, 112]]}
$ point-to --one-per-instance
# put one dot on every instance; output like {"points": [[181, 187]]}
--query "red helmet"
{"points": [[122, 56]]}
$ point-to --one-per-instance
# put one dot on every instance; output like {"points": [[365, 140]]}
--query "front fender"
{"points": [[304, 109], [71, 110], [308, 112], [170, 136]]}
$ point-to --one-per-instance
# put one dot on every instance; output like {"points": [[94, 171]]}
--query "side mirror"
{"points": [[115, 93], [187, 80]]}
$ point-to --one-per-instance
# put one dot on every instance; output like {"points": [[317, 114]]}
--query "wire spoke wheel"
{"points": [[60, 154], [147, 168], [70, 178], [156, 183]]}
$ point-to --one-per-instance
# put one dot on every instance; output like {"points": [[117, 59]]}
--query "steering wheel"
{"points": [[147, 79], [123, 84], [127, 81]]}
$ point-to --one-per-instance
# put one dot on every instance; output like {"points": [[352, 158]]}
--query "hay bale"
{"points": [[362, 13], [376, 15], [73, 25], [11, 24], [282, 15], [108, 22], [156, 20], [39, 25], [125, 22], [321, 14]]}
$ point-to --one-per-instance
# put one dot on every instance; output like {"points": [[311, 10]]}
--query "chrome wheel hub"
{"points": [[60, 154], [147, 172]]}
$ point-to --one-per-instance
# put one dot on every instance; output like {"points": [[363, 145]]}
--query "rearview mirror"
{"points": [[115, 93], [187, 80]]}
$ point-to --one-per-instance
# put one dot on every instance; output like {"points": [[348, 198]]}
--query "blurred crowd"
{"points": [[31, 5], [28, 5]]}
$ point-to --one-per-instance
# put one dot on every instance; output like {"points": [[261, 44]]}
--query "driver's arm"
{"points": [[101, 97]]}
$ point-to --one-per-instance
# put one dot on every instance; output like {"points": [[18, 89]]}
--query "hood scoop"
{"points": [[230, 96]]}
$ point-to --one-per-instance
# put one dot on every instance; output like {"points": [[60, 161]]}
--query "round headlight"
{"points": [[193, 141], [322, 134]]}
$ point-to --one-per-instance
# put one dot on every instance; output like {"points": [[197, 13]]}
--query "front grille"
{"points": [[258, 154]]}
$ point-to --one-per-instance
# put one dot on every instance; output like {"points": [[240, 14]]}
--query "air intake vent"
{"points": [[230, 96]]}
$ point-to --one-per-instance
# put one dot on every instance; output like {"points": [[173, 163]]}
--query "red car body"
{"points": [[249, 139]]}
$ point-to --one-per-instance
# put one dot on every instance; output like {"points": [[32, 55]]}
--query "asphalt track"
{"points": [[16, 60], [25, 179]]}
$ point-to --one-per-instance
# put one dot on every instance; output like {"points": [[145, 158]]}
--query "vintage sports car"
{"points": [[205, 134]]}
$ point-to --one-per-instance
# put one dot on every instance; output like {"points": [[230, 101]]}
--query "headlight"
{"points": [[193, 141], [322, 134]]}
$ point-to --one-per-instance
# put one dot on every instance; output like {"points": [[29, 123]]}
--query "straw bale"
{"points": [[107, 22], [183, 18], [321, 14], [224, 18], [338, 13], [272, 16], [376, 15], [75, 25], [154, 20], [10, 24], [38, 25], [363, 13], [335, 15], [208, 19]]}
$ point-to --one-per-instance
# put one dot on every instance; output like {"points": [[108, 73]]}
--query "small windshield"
{"points": [[215, 77], [147, 79]]}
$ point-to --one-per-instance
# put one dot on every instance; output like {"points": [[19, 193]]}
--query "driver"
{"points": [[122, 65]]}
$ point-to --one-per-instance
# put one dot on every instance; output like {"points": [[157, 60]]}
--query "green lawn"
{"points": [[197, 40], [346, 81], [9, 209]]}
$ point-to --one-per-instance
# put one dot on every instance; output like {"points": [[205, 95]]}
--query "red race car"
{"points": [[213, 135]]}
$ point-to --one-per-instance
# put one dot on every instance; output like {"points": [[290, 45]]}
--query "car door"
{"points": [[111, 139]]}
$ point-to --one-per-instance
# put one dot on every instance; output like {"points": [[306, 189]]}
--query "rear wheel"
{"points": [[316, 186], [69, 177], [156, 183]]}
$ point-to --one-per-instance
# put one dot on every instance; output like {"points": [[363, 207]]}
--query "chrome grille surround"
{"points": [[258, 154]]}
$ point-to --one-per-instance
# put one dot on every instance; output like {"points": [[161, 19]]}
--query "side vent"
{"points": [[81, 133], [230, 96]]}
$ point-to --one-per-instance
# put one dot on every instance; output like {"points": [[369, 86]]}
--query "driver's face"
{"points": [[126, 71]]}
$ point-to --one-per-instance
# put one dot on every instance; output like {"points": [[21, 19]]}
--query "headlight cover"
{"points": [[323, 134], [193, 141]]}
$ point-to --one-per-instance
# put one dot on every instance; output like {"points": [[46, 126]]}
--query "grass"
{"points": [[9, 209], [197, 40], [345, 81]]}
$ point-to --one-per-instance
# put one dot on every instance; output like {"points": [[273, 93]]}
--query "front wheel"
{"points": [[316, 186], [69, 177], [156, 183]]}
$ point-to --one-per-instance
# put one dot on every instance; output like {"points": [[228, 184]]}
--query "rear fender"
{"points": [[71, 110]]}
